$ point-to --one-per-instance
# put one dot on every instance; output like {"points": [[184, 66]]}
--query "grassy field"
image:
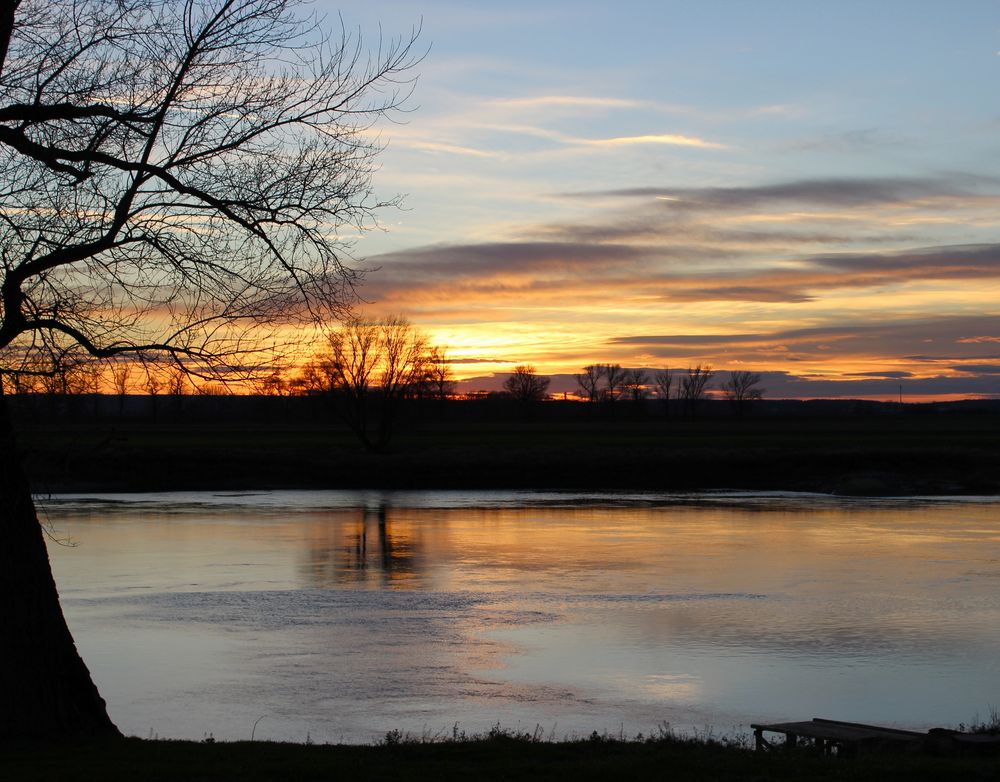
{"points": [[501, 758], [864, 455]]}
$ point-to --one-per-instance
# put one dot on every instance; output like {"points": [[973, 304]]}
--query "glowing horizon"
{"points": [[814, 195]]}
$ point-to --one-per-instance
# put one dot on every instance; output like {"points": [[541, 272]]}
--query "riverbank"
{"points": [[902, 455], [500, 758]]}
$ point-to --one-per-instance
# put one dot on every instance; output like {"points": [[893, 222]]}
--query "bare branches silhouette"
{"points": [[176, 179], [367, 369], [693, 385], [742, 388], [525, 385]]}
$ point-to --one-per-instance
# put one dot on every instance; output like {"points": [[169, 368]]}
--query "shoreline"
{"points": [[499, 498], [493, 757], [950, 456], [833, 475]]}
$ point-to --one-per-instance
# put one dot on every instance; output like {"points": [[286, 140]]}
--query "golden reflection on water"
{"points": [[861, 581], [870, 611], [363, 547], [613, 549]]}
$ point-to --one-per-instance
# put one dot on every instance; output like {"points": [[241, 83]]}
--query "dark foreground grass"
{"points": [[479, 760]]}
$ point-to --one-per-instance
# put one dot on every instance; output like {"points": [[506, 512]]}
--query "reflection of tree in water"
{"points": [[365, 549]]}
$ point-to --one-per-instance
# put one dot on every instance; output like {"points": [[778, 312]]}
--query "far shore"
{"points": [[227, 445]]}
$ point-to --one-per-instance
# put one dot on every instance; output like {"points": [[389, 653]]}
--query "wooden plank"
{"points": [[837, 731], [879, 728]]}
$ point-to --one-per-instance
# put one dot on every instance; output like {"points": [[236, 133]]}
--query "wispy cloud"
{"points": [[680, 271], [848, 142], [852, 192], [569, 122], [895, 339], [575, 101], [453, 149], [670, 139], [978, 369]]}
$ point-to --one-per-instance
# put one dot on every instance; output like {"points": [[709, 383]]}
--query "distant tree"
{"points": [[664, 380], [153, 383], [589, 382], [178, 381], [742, 389], [634, 383], [213, 389], [121, 373], [438, 377], [274, 384], [693, 385], [68, 379], [525, 385], [21, 381], [366, 369], [614, 375], [406, 357], [71, 375], [154, 387]]}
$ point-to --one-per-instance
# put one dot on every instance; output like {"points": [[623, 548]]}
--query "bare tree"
{"points": [[65, 380], [742, 388], [174, 176], [404, 364], [121, 374], [213, 389], [693, 385], [178, 380], [366, 370], [614, 375], [634, 383], [664, 380], [438, 377], [589, 382], [70, 375], [274, 384], [525, 385], [153, 383]]}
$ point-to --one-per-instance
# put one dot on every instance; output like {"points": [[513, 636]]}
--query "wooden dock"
{"points": [[833, 735]]}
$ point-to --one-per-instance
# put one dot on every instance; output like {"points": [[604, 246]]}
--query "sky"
{"points": [[810, 190]]}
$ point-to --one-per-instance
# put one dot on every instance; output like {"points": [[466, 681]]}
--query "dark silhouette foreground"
{"points": [[46, 688], [173, 176]]}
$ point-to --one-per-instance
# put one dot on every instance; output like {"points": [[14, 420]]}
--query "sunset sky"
{"points": [[810, 190]]}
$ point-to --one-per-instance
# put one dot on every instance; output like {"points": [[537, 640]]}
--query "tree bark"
{"points": [[46, 691], [6, 28]]}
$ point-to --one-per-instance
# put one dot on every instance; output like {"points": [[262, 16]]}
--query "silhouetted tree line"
{"points": [[372, 374], [426, 413], [608, 383]]}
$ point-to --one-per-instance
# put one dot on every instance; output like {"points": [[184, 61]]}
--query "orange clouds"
{"points": [[842, 279]]}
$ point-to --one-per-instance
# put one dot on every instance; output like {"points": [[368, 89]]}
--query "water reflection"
{"points": [[354, 614], [364, 548]]}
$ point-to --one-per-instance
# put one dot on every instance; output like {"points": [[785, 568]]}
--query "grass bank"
{"points": [[501, 758]]}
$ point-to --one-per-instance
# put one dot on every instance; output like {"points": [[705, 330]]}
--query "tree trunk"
{"points": [[45, 688]]}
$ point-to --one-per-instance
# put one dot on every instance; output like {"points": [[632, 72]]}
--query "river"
{"points": [[338, 616]]}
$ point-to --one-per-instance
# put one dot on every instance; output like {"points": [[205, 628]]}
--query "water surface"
{"points": [[341, 615]]}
